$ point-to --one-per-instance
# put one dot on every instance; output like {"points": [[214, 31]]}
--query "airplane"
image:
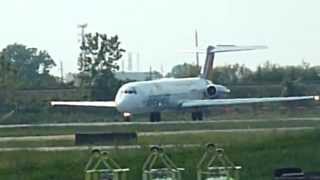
{"points": [[185, 94]]}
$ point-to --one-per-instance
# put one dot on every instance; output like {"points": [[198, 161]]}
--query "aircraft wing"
{"points": [[217, 102], [84, 103]]}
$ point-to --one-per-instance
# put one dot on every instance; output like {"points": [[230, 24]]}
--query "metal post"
{"points": [[218, 165], [101, 165], [168, 169]]}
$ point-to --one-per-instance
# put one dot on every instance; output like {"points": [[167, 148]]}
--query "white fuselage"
{"points": [[159, 95]]}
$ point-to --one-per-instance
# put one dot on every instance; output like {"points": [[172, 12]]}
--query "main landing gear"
{"points": [[197, 115], [155, 117]]}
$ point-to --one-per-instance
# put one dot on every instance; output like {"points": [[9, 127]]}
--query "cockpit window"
{"points": [[130, 91]]}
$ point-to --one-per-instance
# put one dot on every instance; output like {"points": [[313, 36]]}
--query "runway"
{"points": [[225, 131], [89, 148], [86, 148], [87, 124], [72, 136], [37, 138]]}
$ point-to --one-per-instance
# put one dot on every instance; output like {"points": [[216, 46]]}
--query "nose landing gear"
{"points": [[127, 117]]}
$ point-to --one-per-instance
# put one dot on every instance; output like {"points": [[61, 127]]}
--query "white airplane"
{"points": [[185, 94]]}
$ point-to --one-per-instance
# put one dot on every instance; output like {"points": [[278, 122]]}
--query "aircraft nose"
{"points": [[122, 104]]}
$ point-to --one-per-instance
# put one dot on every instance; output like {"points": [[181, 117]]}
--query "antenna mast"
{"points": [[82, 27], [82, 34], [196, 43], [61, 71]]}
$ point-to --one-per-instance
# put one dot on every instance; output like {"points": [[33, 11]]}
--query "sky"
{"points": [[159, 29]]}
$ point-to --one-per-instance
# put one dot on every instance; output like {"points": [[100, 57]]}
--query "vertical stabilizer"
{"points": [[208, 63], [211, 50]]}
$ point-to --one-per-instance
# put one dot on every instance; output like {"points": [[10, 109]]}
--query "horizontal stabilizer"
{"points": [[84, 103], [233, 48], [225, 48], [217, 102]]}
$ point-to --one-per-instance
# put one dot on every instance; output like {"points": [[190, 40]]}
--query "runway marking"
{"points": [[150, 123]]}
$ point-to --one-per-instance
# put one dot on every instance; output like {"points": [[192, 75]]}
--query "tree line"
{"points": [[22, 67], [266, 73], [28, 68]]}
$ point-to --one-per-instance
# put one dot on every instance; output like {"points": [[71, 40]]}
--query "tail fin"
{"points": [[211, 50], [208, 65]]}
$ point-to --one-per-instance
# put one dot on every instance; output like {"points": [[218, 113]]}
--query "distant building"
{"points": [[137, 76], [73, 78]]}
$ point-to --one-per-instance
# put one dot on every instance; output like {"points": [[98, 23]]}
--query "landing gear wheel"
{"points": [[155, 117], [198, 115], [127, 118], [194, 116]]}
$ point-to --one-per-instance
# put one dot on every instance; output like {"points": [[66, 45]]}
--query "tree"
{"points": [[269, 72], [105, 86], [231, 74], [31, 66], [7, 73], [97, 62], [184, 70], [7, 80], [292, 88], [99, 54]]}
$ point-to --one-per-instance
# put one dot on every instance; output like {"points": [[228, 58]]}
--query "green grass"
{"points": [[225, 138], [259, 154]]}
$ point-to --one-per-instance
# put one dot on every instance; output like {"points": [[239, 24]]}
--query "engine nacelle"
{"points": [[216, 91]]}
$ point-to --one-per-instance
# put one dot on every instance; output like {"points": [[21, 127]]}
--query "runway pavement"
{"points": [[89, 148], [225, 131], [83, 148], [148, 123], [37, 138]]}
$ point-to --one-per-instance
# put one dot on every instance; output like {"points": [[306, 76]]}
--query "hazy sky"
{"points": [[158, 29]]}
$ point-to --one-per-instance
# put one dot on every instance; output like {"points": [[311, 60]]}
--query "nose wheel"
{"points": [[127, 117], [155, 117]]}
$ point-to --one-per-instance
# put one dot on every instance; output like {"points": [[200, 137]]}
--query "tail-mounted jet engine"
{"points": [[211, 91], [216, 91]]}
